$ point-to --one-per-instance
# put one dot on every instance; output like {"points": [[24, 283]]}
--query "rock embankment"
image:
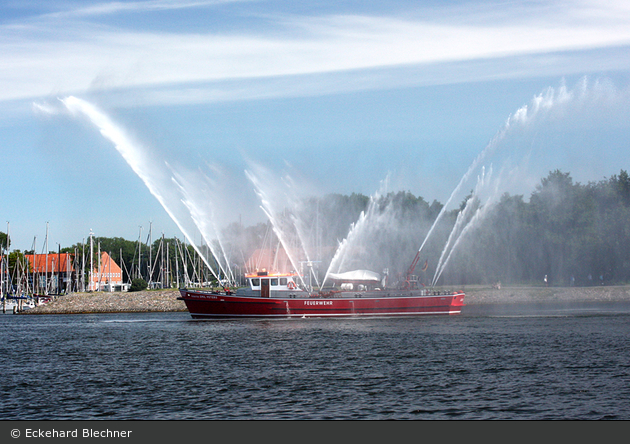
{"points": [[477, 295], [116, 302]]}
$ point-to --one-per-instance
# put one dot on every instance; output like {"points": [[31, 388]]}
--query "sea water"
{"points": [[511, 361]]}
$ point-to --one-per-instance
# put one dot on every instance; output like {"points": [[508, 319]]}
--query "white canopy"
{"points": [[356, 275]]}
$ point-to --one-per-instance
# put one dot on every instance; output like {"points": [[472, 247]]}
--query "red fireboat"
{"points": [[284, 295]]}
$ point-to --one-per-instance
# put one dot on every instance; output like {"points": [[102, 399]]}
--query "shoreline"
{"points": [[152, 301], [146, 301], [480, 295]]}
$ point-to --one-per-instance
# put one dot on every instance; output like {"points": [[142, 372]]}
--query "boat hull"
{"points": [[202, 304]]}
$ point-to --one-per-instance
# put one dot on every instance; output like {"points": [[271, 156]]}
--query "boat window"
{"points": [[274, 282], [255, 282], [283, 281]]}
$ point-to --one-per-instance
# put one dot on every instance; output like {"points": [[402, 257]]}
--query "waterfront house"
{"points": [[107, 276], [52, 273]]}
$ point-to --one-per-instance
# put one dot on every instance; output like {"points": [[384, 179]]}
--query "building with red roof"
{"points": [[52, 273], [108, 277]]}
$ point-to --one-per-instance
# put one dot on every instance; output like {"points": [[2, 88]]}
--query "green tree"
{"points": [[138, 284], [4, 241]]}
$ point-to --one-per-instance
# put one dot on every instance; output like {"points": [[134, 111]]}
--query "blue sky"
{"points": [[336, 94]]}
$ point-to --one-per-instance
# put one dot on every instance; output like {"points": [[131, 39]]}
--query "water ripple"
{"points": [[165, 366]]}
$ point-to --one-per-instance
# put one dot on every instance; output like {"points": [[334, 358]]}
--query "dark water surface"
{"points": [[490, 362]]}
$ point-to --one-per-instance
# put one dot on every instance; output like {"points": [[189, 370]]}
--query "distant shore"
{"points": [[166, 300], [478, 295]]}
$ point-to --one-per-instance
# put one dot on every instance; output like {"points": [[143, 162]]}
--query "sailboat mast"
{"points": [[35, 269], [149, 241], [140, 252], [162, 271], [83, 266], [91, 260], [46, 247], [58, 289], [109, 271], [176, 263], [98, 284]]}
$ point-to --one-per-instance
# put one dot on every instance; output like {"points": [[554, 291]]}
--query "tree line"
{"points": [[570, 233]]}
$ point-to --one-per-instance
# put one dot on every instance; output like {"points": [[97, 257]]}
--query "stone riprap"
{"points": [[477, 295], [116, 302]]}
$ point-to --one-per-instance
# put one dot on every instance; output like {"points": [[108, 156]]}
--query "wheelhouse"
{"points": [[264, 282]]}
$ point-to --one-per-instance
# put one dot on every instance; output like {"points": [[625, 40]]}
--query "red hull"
{"points": [[211, 305]]}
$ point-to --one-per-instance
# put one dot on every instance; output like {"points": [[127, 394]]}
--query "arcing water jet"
{"points": [[284, 229], [176, 201], [550, 104]]}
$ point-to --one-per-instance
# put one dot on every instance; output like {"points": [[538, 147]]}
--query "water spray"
{"points": [[153, 175], [356, 230], [271, 213], [543, 106]]}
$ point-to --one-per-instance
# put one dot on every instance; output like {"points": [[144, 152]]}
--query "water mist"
{"points": [[171, 189], [360, 232], [514, 150], [280, 204]]}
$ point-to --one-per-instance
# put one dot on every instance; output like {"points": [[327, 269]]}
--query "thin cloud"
{"points": [[98, 57], [110, 8]]}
